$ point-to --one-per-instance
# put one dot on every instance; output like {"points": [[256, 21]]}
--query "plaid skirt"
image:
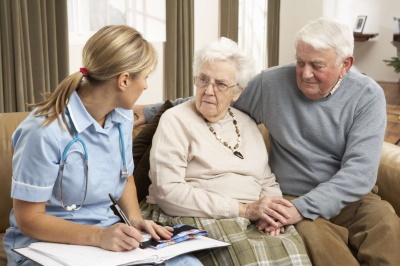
{"points": [[249, 245]]}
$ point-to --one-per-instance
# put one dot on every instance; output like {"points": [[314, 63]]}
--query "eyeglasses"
{"points": [[202, 82]]}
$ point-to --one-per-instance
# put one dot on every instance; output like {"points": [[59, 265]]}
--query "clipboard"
{"points": [[55, 254]]}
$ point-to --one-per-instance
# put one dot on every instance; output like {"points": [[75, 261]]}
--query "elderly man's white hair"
{"points": [[326, 33], [225, 49]]}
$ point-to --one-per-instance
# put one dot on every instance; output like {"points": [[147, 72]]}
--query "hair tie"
{"points": [[84, 71]]}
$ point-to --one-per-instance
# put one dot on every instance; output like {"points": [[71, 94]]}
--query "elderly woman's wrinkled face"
{"points": [[210, 102]]}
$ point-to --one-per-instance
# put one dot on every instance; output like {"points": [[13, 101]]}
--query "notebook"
{"points": [[54, 254]]}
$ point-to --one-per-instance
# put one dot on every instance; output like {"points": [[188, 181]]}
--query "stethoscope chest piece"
{"points": [[124, 172]]}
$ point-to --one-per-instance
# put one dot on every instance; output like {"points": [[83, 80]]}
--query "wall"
{"points": [[368, 55], [206, 30], [206, 22], [292, 19], [206, 27], [155, 82]]}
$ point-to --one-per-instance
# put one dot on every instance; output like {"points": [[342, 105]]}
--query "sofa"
{"points": [[388, 181]]}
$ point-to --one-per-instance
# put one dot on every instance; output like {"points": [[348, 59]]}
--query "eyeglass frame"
{"points": [[214, 84]]}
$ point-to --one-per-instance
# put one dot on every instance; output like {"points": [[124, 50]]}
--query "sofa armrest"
{"points": [[389, 175], [8, 123]]}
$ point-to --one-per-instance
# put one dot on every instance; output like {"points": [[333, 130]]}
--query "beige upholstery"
{"points": [[388, 175]]}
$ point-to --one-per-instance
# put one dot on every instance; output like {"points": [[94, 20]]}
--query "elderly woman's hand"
{"points": [[269, 229], [269, 209], [275, 232]]}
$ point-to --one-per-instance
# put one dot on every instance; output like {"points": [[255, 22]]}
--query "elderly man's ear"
{"points": [[236, 96], [346, 65]]}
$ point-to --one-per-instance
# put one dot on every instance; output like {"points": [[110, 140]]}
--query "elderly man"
{"points": [[326, 126]]}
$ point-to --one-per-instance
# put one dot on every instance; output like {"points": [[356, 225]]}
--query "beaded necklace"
{"points": [[226, 144]]}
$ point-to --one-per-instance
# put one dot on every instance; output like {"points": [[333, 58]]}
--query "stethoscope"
{"points": [[124, 171]]}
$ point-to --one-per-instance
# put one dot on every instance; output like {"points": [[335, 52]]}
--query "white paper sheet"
{"points": [[87, 255]]}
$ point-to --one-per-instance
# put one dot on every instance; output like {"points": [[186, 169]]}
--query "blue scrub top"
{"points": [[37, 155]]}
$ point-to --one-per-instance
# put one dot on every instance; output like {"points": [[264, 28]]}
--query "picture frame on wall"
{"points": [[360, 23], [396, 27]]}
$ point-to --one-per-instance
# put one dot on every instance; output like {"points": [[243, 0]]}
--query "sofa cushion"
{"points": [[3, 255], [141, 146], [389, 175]]}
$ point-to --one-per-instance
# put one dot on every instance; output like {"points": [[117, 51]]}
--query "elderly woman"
{"points": [[209, 168]]}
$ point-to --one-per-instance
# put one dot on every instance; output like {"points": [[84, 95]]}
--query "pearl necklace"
{"points": [[226, 144]]}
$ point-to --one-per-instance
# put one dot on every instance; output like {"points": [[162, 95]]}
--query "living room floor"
{"points": [[392, 93]]}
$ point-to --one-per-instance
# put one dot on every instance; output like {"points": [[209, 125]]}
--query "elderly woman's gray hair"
{"points": [[327, 33], [226, 50]]}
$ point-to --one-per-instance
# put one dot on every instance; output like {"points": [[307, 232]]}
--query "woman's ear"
{"points": [[237, 94], [123, 81]]}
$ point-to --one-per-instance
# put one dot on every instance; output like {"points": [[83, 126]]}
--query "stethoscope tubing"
{"points": [[124, 171], [66, 149]]}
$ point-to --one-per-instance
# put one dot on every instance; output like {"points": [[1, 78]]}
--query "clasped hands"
{"points": [[271, 214]]}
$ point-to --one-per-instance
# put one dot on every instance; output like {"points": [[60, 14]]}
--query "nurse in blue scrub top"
{"points": [[76, 147]]}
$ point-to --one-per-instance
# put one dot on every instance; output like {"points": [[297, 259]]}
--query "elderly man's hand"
{"points": [[269, 209], [138, 111]]}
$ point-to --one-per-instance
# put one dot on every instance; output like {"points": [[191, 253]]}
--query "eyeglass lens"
{"points": [[202, 82]]}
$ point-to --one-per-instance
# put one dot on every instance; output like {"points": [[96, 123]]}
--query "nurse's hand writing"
{"points": [[119, 237], [138, 110], [156, 231]]}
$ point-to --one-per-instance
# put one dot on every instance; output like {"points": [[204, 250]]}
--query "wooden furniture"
{"points": [[361, 37]]}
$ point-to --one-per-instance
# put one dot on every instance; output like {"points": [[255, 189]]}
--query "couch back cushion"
{"points": [[141, 146], [8, 123]]}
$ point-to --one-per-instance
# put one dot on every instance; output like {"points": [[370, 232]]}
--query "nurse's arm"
{"points": [[130, 205], [33, 222]]}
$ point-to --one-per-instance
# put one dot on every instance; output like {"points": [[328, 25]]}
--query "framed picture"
{"points": [[360, 23], [396, 27]]}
